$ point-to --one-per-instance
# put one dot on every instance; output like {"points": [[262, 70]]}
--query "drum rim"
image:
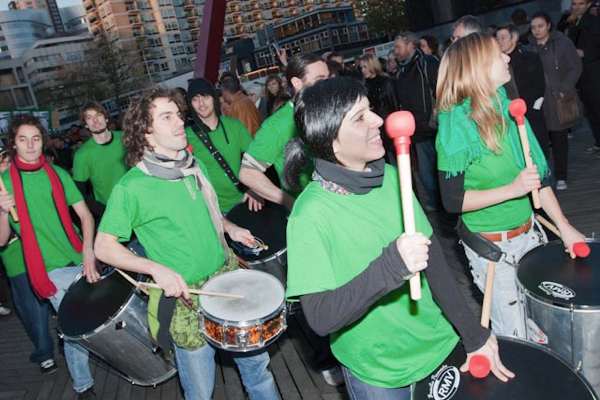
{"points": [[270, 258], [246, 323], [551, 302], [110, 320]]}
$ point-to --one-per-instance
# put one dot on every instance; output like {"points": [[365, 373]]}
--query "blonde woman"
{"points": [[483, 176]]}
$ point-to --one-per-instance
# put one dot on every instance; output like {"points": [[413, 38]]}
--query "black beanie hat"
{"points": [[201, 86]]}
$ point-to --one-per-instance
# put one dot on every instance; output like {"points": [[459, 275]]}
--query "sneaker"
{"points": [[48, 367], [593, 149], [87, 394], [4, 310], [561, 185], [333, 376]]}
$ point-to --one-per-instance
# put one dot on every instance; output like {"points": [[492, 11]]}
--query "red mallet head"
{"points": [[517, 109], [581, 249], [479, 366], [400, 126]]}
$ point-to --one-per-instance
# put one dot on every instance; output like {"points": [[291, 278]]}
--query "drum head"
{"points": [[86, 306], [540, 375], [550, 275], [267, 225], [263, 294]]}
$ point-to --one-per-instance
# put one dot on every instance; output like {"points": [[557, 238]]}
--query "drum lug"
{"points": [[284, 319], [242, 338], [200, 322], [120, 325]]}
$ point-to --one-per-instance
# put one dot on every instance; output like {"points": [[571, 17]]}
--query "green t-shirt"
{"points": [[171, 221], [102, 164], [486, 170], [331, 239], [270, 140], [54, 244], [237, 142], [12, 258]]}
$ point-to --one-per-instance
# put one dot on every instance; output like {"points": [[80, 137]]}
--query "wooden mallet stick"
{"points": [[581, 249], [260, 245], [131, 280], [13, 212], [400, 126], [197, 291], [517, 109]]}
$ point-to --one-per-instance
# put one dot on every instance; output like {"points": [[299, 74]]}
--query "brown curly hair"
{"points": [[13, 128], [138, 121]]}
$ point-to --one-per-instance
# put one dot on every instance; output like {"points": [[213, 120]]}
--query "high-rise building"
{"points": [[50, 6], [166, 32]]}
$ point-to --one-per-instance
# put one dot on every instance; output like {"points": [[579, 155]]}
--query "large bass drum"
{"points": [[562, 304], [539, 375], [110, 319]]}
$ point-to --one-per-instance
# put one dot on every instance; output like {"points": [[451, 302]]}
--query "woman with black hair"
{"points": [[347, 264]]}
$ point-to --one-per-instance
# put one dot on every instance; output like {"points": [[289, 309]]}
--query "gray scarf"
{"points": [[163, 167]]}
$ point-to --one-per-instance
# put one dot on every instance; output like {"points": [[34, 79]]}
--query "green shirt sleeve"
{"points": [[72, 194], [120, 215], [81, 170]]}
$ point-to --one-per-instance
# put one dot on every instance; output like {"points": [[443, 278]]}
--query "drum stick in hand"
{"points": [[400, 126], [517, 109], [581, 249], [197, 291], [13, 212], [479, 365]]}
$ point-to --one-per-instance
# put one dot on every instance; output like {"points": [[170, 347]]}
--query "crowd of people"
{"points": [[313, 141]]}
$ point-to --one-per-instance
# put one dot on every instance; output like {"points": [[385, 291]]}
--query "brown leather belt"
{"points": [[498, 237]]}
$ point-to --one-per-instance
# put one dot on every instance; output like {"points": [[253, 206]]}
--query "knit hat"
{"points": [[202, 86]]}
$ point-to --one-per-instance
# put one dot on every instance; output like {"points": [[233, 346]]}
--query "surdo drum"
{"points": [[562, 304], [268, 227], [540, 375], [110, 319], [243, 324]]}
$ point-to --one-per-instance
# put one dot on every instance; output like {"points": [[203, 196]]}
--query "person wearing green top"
{"points": [[101, 160], [54, 252], [349, 261], [171, 206], [484, 177], [228, 135], [268, 147]]}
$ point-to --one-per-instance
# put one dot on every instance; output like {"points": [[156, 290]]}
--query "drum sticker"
{"points": [[534, 333], [242, 250], [557, 290], [444, 384]]}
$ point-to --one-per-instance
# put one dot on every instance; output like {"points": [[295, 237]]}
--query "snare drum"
{"points": [[562, 304], [540, 375], [268, 227], [243, 324]]}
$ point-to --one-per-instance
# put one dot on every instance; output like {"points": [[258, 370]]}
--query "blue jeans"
{"points": [[427, 169], [197, 373], [34, 315], [359, 390], [76, 356]]}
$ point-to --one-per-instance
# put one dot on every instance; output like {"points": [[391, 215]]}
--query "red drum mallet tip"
{"points": [[581, 249], [479, 366]]}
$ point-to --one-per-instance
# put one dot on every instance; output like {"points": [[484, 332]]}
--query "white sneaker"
{"points": [[333, 376], [4, 310], [561, 185]]}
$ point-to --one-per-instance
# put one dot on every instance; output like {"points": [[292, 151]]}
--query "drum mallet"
{"points": [[581, 249], [400, 126], [517, 109], [479, 365], [13, 212]]}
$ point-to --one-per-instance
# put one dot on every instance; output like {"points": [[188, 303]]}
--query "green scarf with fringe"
{"points": [[459, 143]]}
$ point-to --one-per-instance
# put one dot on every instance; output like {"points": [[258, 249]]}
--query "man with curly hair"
{"points": [[166, 199]]}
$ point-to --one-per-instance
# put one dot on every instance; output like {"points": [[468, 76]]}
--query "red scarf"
{"points": [[41, 283]]}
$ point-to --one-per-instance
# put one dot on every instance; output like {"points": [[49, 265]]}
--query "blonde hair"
{"points": [[373, 64], [464, 73]]}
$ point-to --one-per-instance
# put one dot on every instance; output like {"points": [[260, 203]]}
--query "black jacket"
{"points": [[528, 75], [586, 37], [415, 92]]}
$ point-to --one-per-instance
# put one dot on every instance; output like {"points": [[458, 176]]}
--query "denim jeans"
{"points": [[34, 315], [508, 311], [76, 356], [197, 373], [427, 169], [359, 390]]}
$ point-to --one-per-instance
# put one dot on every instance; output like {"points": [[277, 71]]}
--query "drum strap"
{"points": [[205, 139], [480, 245]]}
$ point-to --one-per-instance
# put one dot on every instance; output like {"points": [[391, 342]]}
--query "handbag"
{"points": [[567, 109]]}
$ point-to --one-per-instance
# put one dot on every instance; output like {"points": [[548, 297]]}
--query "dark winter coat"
{"points": [[586, 36]]}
